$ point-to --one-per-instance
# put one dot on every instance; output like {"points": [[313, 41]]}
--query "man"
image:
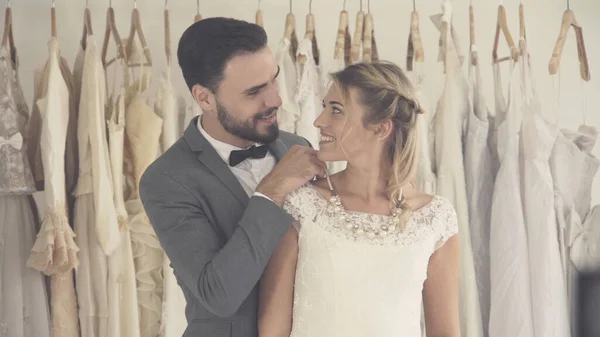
{"points": [[215, 197]]}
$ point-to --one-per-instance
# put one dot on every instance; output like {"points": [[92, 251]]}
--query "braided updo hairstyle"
{"points": [[386, 93]]}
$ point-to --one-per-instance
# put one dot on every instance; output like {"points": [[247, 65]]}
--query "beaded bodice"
{"points": [[349, 284]]}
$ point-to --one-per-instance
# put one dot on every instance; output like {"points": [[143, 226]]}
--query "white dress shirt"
{"points": [[249, 172]]}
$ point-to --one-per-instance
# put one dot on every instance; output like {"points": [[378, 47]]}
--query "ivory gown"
{"points": [[142, 136], [55, 252]]}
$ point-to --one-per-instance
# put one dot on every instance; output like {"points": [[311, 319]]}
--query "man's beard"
{"points": [[247, 130]]}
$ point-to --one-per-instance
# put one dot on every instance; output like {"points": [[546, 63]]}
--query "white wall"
{"points": [[543, 17]]}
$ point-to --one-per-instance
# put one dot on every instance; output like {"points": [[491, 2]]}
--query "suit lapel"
{"points": [[209, 157], [277, 149]]}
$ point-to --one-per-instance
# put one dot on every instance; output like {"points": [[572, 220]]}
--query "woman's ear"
{"points": [[384, 130]]}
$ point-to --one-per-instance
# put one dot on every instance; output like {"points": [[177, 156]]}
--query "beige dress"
{"points": [[142, 136], [54, 252], [123, 314], [96, 224], [173, 322]]}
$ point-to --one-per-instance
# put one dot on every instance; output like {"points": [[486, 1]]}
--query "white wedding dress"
{"points": [[348, 285]]}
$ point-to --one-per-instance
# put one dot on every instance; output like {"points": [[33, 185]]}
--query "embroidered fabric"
{"points": [[352, 285]]}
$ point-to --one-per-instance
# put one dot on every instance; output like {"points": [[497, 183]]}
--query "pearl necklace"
{"points": [[364, 230]]}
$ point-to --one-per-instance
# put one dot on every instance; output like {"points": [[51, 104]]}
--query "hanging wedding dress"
{"points": [[573, 168], [510, 311], [425, 178], [310, 94], [448, 124], [123, 315], [550, 313], [173, 322], [289, 112], [142, 135], [341, 53], [96, 224], [585, 242], [23, 299], [54, 251], [480, 174]]}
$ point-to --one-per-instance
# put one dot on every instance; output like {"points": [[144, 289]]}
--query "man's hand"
{"points": [[299, 165]]}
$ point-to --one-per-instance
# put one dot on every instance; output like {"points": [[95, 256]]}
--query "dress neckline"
{"points": [[313, 189]]}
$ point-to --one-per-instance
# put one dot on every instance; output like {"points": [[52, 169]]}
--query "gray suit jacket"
{"points": [[218, 240]]}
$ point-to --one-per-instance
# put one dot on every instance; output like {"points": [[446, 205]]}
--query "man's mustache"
{"points": [[265, 113]]}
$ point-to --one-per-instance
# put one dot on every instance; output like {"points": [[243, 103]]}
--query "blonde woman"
{"points": [[366, 248]]}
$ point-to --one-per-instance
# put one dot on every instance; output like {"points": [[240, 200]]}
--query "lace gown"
{"points": [[23, 300], [348, 286]]}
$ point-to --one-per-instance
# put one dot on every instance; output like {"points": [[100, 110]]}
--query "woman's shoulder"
{"points": [[304, 201]]}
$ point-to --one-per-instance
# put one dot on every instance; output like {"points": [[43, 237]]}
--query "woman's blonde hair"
{"points": [[387, 94]]}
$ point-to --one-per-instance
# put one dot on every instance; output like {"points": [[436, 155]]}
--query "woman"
{"points": [[367, 248]]}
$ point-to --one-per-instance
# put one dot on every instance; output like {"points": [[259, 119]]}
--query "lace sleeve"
{"points": [[447, 223], [296, 205]]}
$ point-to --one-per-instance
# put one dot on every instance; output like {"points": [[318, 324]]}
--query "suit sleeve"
{"points": [[220, 276], [308, 143]]}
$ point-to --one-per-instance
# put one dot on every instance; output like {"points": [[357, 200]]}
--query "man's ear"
{"points": [[204, 97]]}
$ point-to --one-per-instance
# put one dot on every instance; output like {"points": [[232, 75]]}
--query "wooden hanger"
{"points": [[111, 29], [198, 17], [8, 39], [502, 26], [522, 35], [368, 38], [136, 27], [53, 20], [474, 56], [343, 36], [568, 20], [87, 26], [290, 24], [358, 35], [259, 16], [290, 33], [167, 35], [310, 35], [414, 51], [310, 24]]}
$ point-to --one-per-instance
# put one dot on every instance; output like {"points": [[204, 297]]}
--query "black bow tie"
{"points": [[238, 156]]}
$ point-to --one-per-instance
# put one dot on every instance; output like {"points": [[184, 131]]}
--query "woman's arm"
{"points": [[276, 289], [440, 291]]}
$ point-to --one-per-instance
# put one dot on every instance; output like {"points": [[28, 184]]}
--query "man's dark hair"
{"points": [[207, 45]]}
